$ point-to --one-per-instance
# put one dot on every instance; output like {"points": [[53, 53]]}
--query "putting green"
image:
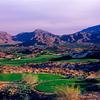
{"points": [[50, 86]]}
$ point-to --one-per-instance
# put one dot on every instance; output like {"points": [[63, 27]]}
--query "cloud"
{"points": [[57, 16]]}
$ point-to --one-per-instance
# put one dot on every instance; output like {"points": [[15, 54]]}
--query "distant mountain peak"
{"points": [[42, 37], [88, 35], [38, 36], [38, 30], [41, 31]]}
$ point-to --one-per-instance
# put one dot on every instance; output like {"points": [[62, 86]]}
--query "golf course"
{"points": [[46, 83], [40, 59]]}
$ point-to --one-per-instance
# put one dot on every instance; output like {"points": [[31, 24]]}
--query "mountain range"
{"points": [[88, 35], [41, 37]]}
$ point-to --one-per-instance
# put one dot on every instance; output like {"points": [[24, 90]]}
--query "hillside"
{"points": [[5, 38], [88, 35], [38, 36]]}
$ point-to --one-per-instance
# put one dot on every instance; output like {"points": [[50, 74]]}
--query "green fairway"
{"points": [[13, 62], [80, 60], [47, 82], [49, 77], [40, 59], [10, 77], [41, 77]]}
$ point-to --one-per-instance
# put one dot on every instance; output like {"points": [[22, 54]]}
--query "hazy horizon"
{"points": [[56, 16]]}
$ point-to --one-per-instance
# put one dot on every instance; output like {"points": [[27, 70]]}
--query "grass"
{"points": [[30, 79], [80, 60], [41, 77], [14, 62], [50, 86], [49, 77], [40, 59], [68, 93], [10, 77], [46, 82]]}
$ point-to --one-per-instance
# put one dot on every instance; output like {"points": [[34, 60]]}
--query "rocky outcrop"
{"points": [[5, 38]]}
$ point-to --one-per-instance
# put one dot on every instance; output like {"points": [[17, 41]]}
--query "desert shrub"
{"points": [[68, 93], [30, 79]]}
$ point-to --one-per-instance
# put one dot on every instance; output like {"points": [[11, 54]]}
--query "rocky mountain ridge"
{"points": [[5, 38], [41, 37]]}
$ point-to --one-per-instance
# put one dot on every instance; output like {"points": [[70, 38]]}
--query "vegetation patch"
{"points": [[45, 82], [10, 77], [80, 60], [41, 77], [18, 62], [68, 93], [50, 87]]}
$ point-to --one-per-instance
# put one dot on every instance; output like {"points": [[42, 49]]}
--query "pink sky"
{"points": [[56, 16]]}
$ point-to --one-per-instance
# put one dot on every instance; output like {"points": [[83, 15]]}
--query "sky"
{"points": [[56, 16]]}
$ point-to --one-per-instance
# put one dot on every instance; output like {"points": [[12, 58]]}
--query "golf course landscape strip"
{"points": [[40, 59]]}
